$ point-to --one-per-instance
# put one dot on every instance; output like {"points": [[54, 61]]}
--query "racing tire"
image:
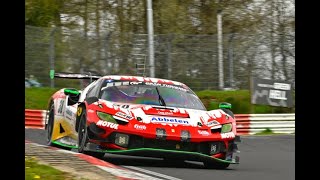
{"points": [[215, 165], [50, 127], [83, 138]]}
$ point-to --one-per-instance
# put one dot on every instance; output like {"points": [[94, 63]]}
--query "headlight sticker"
{"points": [[212, 123], [123, 115]]}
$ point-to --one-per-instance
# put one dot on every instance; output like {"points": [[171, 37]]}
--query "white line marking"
{"points": [[66, 151], [127, 173], [152, 173]]}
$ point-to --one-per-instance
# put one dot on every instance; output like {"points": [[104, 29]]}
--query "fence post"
{"points": [[51, 57]]}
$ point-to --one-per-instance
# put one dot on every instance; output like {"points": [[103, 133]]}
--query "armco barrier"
{"points": [[247, 124], [35, 118], [278, 123]]}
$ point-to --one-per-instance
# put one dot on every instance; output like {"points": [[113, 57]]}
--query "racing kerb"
{"points": [[35, 119], [247, 124]]}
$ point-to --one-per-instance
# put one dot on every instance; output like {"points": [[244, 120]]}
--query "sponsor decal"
{"points": [[169, 120], [135, 82], [203, 132], [69, 112], [61, 107], [213, 148], [165, 113], [123, 115], [227, 135], [166, 85], [212, 123], [107, 124], [79, 111], [140, 127]]}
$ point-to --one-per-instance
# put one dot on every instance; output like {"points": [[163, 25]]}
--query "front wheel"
{"points": [[83, 138]]}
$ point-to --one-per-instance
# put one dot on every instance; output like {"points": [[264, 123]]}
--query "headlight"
{"points": [[226, 128], [185, 135], [161, 133], [106, 117]]}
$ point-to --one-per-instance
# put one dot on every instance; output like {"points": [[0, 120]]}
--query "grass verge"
{"points": [[268, 131], [34, 170]]}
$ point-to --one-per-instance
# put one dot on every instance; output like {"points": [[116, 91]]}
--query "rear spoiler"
{"points": [[77, 76]]}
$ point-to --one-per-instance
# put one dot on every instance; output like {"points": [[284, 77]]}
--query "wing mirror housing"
{"points": [[73, 95], [225, 105]]}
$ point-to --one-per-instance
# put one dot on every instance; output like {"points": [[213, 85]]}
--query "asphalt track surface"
{"points": [[261, 158]]}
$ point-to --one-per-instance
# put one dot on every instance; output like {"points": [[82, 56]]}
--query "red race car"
{"points": [[141, 116]]}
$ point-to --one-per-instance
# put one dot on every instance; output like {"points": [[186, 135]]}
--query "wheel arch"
{"points": [[80, 109], [50, 103], [228, 111]]}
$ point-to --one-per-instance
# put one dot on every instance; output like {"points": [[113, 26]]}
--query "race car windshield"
{"points": [[140, 93]]}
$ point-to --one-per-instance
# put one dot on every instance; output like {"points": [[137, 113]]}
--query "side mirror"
{"points": [[73, 95], [71, 92], [224, 105]]}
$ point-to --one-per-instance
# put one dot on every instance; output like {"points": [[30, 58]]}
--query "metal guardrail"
{"points": [[247, 124], [278, 123]]}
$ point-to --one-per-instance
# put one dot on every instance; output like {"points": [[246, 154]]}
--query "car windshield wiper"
{"points": [[161, 100]]}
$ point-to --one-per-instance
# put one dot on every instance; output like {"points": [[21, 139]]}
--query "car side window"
{"points": [[93, 91]]}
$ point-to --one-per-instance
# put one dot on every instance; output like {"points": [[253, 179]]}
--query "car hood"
{"points": [[164, 115]]}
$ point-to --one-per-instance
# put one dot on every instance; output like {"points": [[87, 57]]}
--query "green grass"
{"points": [[38, 98], [267, 131], [34, 170]]}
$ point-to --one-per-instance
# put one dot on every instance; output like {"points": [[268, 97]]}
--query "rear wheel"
{"points": [[83, 138]]}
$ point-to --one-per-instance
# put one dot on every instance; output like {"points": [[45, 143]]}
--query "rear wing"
{"points": [[77, 76]]}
